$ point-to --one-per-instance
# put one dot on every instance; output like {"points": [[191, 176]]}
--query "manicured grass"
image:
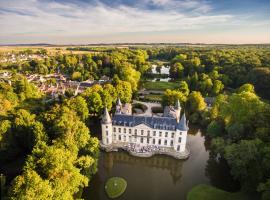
{"points": [[115, 187], [160, 85], [153, 97], [207, 192]]}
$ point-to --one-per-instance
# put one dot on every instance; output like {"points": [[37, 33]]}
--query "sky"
{"points": [[134, 21]]}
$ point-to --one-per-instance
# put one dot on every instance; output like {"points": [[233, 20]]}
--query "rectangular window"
{"points": [[154, 141], [119, 137], [160, 134], [172, 135], [141, 132], [141, 140], [166, 134], [119, 130], [129, 130], [125, 138], [107, 133], [165, 142], [125, 130], [159, 141], [178, 147], [148, 132], [154, 133], [107, 140], [179, 139], [171, 143], [148, 140], [135, 131], [114, 129]]}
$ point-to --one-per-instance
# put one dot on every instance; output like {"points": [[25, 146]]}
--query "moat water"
{"points": [[161, 177]]}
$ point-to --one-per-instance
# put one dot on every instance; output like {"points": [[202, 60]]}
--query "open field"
{"points": [[52, 50]]}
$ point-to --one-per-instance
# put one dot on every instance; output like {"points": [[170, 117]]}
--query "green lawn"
{"points": [[153, 97], [207, 192], [160, 85], [115, 187]]}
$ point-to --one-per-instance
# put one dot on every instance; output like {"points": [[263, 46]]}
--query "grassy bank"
{"points": [[207, 192]]}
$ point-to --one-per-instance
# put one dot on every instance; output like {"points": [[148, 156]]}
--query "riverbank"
{"points": [[207, 192]]}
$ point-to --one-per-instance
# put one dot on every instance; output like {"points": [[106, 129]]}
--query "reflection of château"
{"points": [[164, 163], [161, 135]]}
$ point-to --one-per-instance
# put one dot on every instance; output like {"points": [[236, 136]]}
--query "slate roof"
{"points": [[162, 123], [183, 123]]}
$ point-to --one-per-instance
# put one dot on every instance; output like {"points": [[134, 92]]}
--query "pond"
{"points": [[159, 177]]}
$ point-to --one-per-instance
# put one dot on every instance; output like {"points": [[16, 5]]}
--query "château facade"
{"points": [[167, 133]]}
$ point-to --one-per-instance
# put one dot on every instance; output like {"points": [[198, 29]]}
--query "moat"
{"points": [[160, 177]]}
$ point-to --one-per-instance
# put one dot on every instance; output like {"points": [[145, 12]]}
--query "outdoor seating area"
{"points": [[137, 148]]}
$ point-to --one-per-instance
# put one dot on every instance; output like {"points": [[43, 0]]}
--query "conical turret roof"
{"points": [[118, 103], [177, 104], [106, 116], [182, 125]]}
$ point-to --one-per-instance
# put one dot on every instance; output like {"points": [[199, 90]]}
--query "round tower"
{"points": [[106, 128], [118, 106], [180, 138], [177, 109]]}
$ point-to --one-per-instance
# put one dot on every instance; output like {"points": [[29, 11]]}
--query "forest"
{"points": [[53, 138]]}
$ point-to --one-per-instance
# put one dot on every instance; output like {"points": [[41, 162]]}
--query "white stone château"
{"points": [[145, 135]]}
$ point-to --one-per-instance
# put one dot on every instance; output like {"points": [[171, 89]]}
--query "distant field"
{"points": [[160, 85], [51, 50], [207, 192]]}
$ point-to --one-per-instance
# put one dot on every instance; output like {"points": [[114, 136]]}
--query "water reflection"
{"points": [[158, 177], [156, 162]]}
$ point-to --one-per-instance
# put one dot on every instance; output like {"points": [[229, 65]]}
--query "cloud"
{"points": [[43, 19]]}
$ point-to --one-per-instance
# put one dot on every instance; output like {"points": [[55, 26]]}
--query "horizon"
{"points": [[62, 22]]}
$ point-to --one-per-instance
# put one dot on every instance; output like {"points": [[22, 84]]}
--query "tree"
{"points": [[94, 102], [215, 129], [246, 88], [244, 160], [195, 102], [30, 185], [56, 165], [170, 97], [124, 91], [69, 130], [260, 78], [26, 130], [176, 71], [217, 87], [76, 76], [79, 105], [183, 87]]}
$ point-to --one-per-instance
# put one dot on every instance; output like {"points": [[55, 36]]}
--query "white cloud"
{"points": [[48, 19]]}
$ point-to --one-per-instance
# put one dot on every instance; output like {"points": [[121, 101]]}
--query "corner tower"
{"points": [[106, 128], [177, 109], [180, 137], [118, 109]]}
